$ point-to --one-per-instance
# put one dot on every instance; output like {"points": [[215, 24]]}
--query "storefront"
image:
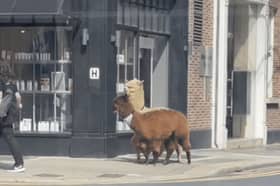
{"points": [[71, 58]]}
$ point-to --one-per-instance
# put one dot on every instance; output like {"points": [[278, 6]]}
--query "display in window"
{"points": [[41, 60]]}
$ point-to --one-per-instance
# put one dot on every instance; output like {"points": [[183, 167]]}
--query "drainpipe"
{"points": [[267, 22], [221, 72], [215, 69]]}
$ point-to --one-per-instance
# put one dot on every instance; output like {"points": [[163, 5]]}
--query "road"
{"points": [[261, 181], [269, 176]]}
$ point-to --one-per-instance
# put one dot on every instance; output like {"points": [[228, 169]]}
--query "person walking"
{"points": [[10, 102]]}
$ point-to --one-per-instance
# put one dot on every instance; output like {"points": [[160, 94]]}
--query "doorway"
{"points": [[239, 71], [146, 46], [153, 69]]}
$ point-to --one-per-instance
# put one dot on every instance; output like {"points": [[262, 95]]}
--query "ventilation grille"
{"points": [[198, 22]]}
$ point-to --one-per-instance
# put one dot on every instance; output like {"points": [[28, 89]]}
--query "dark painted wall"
{"points": [[177, 57], [273, 136], [94, 121]]}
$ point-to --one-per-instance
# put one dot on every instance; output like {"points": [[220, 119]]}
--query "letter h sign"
{"points": [[94, 73]]}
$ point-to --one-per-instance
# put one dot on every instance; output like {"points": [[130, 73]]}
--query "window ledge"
{"points": [[42, 134], [273, 100]]}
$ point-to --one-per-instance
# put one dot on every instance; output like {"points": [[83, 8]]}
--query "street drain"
{"points": [[111, 175], [49, 175], [238, 170]]}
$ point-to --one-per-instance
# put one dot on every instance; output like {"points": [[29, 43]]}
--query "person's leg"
{"points": [[8, 135]]}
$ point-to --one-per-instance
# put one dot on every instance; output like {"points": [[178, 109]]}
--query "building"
{"points": [[72, 57], [272, 113], [233, 92], [200, 78]]}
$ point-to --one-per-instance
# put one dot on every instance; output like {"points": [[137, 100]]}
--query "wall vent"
{"points": [[198, 22]]}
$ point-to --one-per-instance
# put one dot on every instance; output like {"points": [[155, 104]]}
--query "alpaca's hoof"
{"points": [[165, 162]]}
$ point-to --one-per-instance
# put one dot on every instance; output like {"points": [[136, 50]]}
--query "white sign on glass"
{"points": [[94, 73]]}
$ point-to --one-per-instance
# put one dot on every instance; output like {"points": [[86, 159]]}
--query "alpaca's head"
{"points": [[135, 91], [122, 106]]}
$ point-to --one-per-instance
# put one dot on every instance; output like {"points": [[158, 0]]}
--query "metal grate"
{"points": [[111, 175], [47, 175], [198, 22]]}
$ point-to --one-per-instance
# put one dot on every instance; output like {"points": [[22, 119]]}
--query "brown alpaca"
{"points": [[155, 126]]}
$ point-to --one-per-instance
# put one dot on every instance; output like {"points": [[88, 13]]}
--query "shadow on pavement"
{"points": [[5, 166]]}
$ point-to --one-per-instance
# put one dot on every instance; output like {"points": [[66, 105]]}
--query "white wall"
{"points": [[220, 73]]}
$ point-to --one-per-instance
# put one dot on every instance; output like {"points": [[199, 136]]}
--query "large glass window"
{"points": [[126, 58], [41, 60]]}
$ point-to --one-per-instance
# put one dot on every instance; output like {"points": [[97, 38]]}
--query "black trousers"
{"points": [[7, 133]]}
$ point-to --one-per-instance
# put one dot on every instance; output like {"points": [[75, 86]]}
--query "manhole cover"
{"points": [[49, 175], [111, 175]]}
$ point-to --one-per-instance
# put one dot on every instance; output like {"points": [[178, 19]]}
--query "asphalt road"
{"points": [[260, 181], [269, 176]]}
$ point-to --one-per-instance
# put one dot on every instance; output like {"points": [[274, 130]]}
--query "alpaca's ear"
{"points": [[141, 82]]}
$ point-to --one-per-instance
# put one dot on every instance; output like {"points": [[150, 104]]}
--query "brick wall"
{"points": [[199, 104], [273, 113], [199, 87]]}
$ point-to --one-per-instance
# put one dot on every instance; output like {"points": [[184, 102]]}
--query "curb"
{"points": [[225, 171], [125, 180]]}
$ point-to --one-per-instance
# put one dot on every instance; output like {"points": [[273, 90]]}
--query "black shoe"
{"points": [[17, 168]]}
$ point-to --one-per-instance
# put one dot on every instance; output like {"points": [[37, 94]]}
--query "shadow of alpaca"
{"points": [[142, 161]]}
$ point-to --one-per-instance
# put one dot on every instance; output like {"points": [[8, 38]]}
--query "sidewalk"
{"points": [[124, 169]]}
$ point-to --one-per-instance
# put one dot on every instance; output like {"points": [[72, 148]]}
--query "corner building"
{"points": [[72, 57]]}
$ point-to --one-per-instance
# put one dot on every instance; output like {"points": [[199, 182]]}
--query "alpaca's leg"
{"points": [[135, 141], [179, 153], [146, 154], [156, 146], [186, 146], [169, 152], [155, 156], [169, 146], [178, 149], [138, 155]]}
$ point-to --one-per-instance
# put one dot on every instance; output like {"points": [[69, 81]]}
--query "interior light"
{"points": [[22, 31]]}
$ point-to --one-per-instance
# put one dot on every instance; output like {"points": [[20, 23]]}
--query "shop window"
{"points": [[41, 60], [126, 61], [126, 65]]}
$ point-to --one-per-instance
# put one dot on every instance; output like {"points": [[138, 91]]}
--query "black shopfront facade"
{"points": [[72, 57]]}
